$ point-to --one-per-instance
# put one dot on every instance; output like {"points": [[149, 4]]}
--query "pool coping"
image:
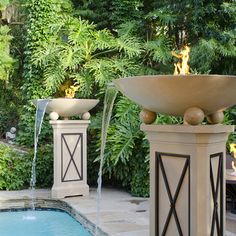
{"points": [[25, 203]]}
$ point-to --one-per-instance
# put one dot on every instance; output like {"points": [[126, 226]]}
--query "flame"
{"points": [[70, 92], [233, 150], [182, 67]]}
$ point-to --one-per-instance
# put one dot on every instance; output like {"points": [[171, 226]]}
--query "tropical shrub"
{"points": [[44, 165], [15, 168]]}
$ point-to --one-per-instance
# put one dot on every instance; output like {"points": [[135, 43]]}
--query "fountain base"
{"points": [[69, 191], [187, 179], [70, 158]]}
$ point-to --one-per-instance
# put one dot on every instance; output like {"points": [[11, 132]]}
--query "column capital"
{"points": [[200, 134], [197, 129], [69, 123]]}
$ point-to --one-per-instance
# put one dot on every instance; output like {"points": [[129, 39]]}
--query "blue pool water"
{"points": [[40, 223]]}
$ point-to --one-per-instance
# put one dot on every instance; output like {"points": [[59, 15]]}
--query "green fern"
{"points": [[160, 49], [130, 45]]}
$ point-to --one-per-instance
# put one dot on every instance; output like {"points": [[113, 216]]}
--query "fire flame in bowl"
{"points": [[182, 67]]}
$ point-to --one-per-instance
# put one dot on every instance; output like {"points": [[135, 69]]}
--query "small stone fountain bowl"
{"points": [[190, 96], [68, 107]]}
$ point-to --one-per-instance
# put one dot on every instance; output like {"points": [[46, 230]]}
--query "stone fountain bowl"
{"points": [[68, 107], [174, 94]]}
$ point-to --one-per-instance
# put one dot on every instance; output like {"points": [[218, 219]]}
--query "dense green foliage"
{"points": [[9, 78], [77, 53], [15, 168], [6, 60], [90, 43], [39, 16]]}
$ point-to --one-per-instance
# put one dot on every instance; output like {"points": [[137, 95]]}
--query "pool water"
{"points": [[40, 223]]}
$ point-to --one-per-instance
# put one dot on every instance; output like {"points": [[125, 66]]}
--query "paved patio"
{"points": [[121, 214]]}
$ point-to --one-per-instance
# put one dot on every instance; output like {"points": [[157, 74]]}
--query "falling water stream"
{"points": [[110, 97], [40, 111]]}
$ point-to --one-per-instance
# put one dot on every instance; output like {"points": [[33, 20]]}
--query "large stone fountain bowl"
{"points": [[174, 94], [67, 107]]}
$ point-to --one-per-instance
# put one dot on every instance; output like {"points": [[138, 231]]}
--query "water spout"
{"points": [[40, 111]]}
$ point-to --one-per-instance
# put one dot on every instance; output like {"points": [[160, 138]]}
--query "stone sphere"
{"points": [[53, 116], [194, 116], [147, 117], [86, 116], [216, 117]]}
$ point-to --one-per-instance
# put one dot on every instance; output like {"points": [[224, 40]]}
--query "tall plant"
{"points": [[77, 53], [39, 15]]}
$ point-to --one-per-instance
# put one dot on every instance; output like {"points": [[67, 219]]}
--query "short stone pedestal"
{"points": [[187, 173], [70, 158]]}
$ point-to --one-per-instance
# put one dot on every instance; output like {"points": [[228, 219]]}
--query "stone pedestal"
{"points": [[187, 178], [70, 158]]}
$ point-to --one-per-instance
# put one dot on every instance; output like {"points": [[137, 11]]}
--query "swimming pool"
{"points": [[40, 223]]}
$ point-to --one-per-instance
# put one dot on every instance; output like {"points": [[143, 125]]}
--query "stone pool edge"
{"points": [[18, 204]]}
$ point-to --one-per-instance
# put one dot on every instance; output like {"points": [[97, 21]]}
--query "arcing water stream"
{"points": [[110, 97], [40, 111]]}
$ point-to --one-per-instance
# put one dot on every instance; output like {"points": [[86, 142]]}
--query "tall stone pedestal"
{"points": [[70, 158], [187, 173]]}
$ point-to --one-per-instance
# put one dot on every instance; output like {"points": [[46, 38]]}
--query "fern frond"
{"points": [[85, 82], [130, 45], [163, 16], [103, 39], [54, 76], [78, 30], [159, 49], [127, 111], [202, 55], [128, 28], [101, 70], [123, 143], [123, 67]]}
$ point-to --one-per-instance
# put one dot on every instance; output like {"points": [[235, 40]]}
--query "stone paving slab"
{"points": [[121, 214]]}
